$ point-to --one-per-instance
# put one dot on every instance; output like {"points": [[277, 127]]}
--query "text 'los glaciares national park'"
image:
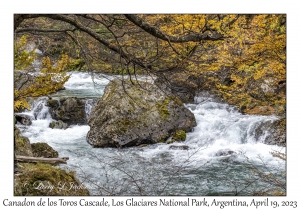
{"points": [[119, 202]]}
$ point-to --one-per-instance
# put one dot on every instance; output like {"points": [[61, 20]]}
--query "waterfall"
{"points": [[88, 106], [39, 110]]}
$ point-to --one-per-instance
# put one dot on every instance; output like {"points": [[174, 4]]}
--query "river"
{"points": [[160, 169]]}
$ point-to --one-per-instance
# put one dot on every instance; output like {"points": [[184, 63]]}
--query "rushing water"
{"points": [[164, 169]]}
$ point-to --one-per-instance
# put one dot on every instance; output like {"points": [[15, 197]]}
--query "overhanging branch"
{"points": [[37, 30], [154, 31]]}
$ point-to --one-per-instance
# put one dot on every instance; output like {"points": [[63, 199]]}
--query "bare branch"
{"points": [[154, 31], [22, 30]]}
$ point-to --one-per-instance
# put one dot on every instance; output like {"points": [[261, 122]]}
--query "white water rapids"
{"points": [[159, 169]]}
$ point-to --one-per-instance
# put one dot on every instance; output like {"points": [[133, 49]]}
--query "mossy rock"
{"points": [[46, 180], [22, 144], [42, 149], [142, 115], [180, 147], [276, 132], [58, 125], [53, 103], [69, 110]]}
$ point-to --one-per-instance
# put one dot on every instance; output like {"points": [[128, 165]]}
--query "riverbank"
{"points": [[42, 179]]}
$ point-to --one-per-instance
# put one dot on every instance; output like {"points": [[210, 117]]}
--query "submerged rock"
{"points": [[181, 147], [58, 125], [142, 114], [224, 152]]}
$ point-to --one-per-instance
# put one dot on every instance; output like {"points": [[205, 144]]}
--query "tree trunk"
{"points": [[52, 161]]}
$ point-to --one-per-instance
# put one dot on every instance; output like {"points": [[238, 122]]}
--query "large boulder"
{"points": [[69, 110], [134, 114]]}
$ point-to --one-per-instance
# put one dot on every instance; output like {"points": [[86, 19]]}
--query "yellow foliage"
{"points": [[50, 79], [22, 57], [21, 104], [253, 48]]}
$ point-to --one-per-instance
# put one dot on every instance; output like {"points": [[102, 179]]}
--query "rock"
{"points": [[24, 119], [182, 86], [53, 104], [181, 147], [58, 125], [69, 110], [143, 145], [224, 76], [260, 89], [141, 115], [276, 132], [22, 144], [41, 149], [224, 152], [23, 80], [261, 110], [186, 86]]}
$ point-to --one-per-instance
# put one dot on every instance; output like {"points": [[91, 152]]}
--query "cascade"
{"points": [[217, 154]]}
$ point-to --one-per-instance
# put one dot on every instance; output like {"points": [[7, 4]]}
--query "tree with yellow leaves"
{"points": [[249, 48], [34, 84]]}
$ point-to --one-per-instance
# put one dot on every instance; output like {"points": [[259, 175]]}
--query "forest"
{"points": [[235, 61]]}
